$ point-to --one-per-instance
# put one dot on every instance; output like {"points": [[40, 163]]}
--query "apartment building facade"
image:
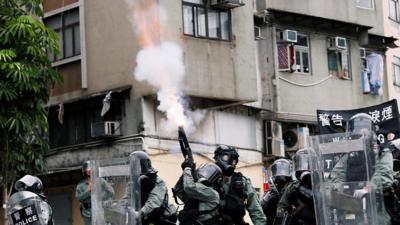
{"points": [[391, 28], [311, 55], [98, 56]]}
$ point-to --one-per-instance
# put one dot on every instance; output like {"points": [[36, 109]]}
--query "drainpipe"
{"points": [[277, 103]]}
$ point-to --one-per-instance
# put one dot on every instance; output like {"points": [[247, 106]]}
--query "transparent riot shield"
{"points": [[341, 176], [27, 208], [115, 195]]}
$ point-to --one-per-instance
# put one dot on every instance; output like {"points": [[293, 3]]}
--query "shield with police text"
{"points": [[115, 196], [27, 208], [341, 177]]}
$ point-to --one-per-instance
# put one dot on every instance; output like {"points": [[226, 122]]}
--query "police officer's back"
{"points": [[29, 204], [155, 208], [296, 204], [237, 193], [281, 176], [198, 194]]}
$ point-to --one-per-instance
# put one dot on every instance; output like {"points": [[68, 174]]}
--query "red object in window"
{"points": [[286, 57], [266, 186], [292, 57], [283, 57]]}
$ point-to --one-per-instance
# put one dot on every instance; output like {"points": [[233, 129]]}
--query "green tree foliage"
{"points": [[25, 77]]}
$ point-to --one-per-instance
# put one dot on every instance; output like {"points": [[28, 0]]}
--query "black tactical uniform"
{"points": [[154, 195], [296, 206], [33, 184], [281, 176], [237, 193]]}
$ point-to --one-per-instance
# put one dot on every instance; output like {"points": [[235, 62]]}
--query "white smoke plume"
{"points": [[160, 64]]}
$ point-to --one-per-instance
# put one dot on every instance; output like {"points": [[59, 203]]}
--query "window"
{"points": [[396, 71], [78, 118], [294, 57], [369, 4], [339, 62], [200, 21], [66, 25], [302, 54], [394, 10]]}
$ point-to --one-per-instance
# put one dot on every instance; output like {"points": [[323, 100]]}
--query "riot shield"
{"points": [[341, 176], [27, 208], [115, 195]]}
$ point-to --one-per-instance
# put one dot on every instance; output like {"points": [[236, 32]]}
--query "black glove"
{"points": [[188, 163]]}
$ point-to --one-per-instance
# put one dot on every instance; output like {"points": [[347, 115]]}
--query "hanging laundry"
{"points": [[60, 115], [375, 68], [106, 104], [366, 88]]}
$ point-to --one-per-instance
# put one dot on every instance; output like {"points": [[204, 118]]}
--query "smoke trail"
{"points": [[160, 63]]}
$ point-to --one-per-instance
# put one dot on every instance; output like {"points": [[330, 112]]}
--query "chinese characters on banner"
{"points": [[385, 115]]}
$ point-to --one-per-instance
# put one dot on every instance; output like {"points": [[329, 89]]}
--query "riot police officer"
{"points": [[198, 194], [155, 208], [296, 204], [84, 190], [29, 204], [380, 173], [281, 171], [237, 194]]}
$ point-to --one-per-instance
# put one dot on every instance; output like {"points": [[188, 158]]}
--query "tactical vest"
{"points": [[157, 215], [270, 204], [234, 209], [305, 213], [357, 166], [191, 212]]}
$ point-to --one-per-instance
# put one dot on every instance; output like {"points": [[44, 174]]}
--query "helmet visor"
{"points": [[281, 168], [360, 126], [302, 162]]}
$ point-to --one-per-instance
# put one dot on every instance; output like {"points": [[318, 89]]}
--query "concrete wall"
{"points": [[235, 126], [392, 29], [334, 93], [217, 69], [343, 10]]}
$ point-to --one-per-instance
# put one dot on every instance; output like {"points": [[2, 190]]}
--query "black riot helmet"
{"points": [[361, 123], [209, 174], [145, 163], [281, 167], [30, 183], [86, 169], [226, 158], [302, 161], [281, 170]]}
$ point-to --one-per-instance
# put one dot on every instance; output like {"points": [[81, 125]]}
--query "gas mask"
{"points": [[227, 164], [281, 180], [304, 177], [226, 158]]}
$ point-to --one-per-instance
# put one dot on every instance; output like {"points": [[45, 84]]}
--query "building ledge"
{"points": [[292, 19]]}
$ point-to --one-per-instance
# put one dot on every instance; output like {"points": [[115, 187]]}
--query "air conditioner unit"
{"points": [[226, 4], [337, 43], [106, 129], [287, 36], [363, 54], [257, 33], [275, 145], [296, 138]]}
